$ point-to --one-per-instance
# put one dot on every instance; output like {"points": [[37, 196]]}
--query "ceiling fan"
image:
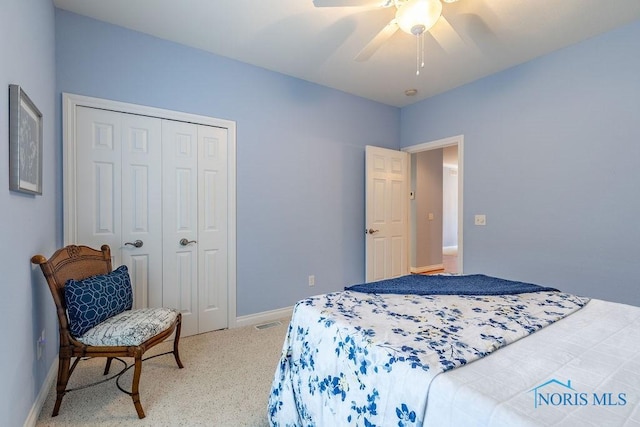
{"points": [[414, 17]]}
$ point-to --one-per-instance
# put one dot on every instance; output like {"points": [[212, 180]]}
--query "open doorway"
{"points": [[435, 206], [450, 209]]}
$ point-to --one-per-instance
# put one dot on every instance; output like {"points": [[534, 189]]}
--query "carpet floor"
{"points": [[226, 381]]}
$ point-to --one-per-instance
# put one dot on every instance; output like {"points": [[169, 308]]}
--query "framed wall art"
{"points": [[25, 143]]}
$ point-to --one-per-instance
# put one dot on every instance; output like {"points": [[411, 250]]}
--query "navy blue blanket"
{"points": [[472, 284]]}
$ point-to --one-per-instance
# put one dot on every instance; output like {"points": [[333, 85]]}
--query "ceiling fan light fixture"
{"points": [[417, 16]]}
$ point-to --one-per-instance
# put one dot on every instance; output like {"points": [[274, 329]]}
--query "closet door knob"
{"points": [[185, 242], [137, 243]]}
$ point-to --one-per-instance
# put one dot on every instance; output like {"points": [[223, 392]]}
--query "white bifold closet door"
{"points": [[118, 201], [194, 224], [155, 191]]}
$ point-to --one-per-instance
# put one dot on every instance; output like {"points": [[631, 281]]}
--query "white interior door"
{"points": [[118, 194], [386, 213]]}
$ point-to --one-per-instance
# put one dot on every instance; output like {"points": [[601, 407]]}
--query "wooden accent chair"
{"points": [[127, 334]]}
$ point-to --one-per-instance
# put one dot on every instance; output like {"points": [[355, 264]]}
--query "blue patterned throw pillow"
{"points": [[95, 299]]}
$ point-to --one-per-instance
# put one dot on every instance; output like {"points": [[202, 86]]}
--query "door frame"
{"points": [[70, 102], [434, 145]]}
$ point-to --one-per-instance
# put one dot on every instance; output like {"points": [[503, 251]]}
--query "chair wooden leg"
{"points": [[63, 379], [135, 394], [108, 365], [176, 340]]}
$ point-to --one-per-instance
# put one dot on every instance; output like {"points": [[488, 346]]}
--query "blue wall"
{"points": [[300, 150], [551, 157], [28, 224]]}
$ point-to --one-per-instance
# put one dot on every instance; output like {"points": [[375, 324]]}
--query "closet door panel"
{"points": [[180, 221], [142, 207], [98, 178], [212, 229]]}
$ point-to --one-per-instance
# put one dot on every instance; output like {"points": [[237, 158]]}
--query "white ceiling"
{"points": [[476, 38]]}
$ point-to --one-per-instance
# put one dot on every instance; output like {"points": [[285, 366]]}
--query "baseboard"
{"points": [[49, 382], [263, 317], [426, 269]]}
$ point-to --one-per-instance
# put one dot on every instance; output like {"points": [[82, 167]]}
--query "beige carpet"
{"points": [[226, 381]]}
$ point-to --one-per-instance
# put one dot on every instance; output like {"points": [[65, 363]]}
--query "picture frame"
{"points": [[25, 143]]}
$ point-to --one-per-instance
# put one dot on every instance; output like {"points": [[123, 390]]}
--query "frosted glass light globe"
{"points": [[417, 16]]}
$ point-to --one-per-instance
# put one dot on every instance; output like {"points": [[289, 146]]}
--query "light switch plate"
{"points": [[481, 220]]}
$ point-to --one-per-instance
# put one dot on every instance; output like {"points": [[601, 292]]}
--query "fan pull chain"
{"points": [[422, 47], [417, 55], [419, 52]]}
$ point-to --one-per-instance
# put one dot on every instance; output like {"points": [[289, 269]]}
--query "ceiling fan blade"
{"points": [[375, 43], [348, 3], [446, 36]]}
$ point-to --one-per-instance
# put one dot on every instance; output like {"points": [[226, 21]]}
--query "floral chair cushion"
{"points": [[131, 327]]}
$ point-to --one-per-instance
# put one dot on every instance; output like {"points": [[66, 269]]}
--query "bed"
{"points": [[395, 353]]}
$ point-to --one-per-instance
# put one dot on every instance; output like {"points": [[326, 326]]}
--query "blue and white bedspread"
{"points": [[368, 359]]}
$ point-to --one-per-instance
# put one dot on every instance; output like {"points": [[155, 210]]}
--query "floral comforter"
{"points": [[368, 359]]}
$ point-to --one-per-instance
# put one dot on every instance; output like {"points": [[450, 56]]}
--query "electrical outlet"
{"points": [[480, 220], [312, 280]]}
